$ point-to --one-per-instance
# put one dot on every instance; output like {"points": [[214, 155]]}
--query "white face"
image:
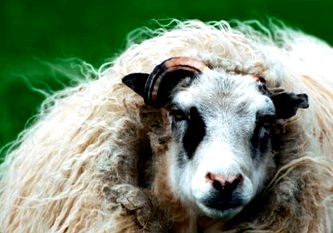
{"points": [[220, 151]]}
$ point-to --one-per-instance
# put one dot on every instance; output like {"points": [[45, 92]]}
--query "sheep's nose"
{"points": [[225, 184]]}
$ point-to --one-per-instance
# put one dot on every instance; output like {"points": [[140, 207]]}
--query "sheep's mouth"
{"points": [[220, 210], [223, 204]]}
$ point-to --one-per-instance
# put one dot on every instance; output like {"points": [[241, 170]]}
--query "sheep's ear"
{"points": [[286, 104], [136, 81]]}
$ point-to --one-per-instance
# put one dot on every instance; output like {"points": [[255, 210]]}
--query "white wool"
{"points": [[55, 174]]}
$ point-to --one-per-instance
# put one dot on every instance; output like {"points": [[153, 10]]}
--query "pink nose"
{"points": [[227, 183]]}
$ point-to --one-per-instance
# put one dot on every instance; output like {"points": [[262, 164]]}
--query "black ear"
{"points": [[286, 104], [136, 81]]}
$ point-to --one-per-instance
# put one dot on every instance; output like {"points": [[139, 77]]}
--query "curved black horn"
{"points": [[167, 75]]}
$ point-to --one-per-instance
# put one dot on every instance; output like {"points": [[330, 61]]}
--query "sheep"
{"points": [[201, 128]]}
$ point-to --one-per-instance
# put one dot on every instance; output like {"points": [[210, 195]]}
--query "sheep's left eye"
{"points": [[262, 131], [265, 124], [178, 115]]}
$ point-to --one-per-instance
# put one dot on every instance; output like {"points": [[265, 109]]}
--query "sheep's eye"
{"points": [[262, 131], [178, 115], [266, 121], [264, 125]]}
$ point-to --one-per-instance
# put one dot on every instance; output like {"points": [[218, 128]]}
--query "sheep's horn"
{"points": [[166, 76]]}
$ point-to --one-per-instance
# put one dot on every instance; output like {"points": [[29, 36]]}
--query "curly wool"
{"points": [[86, 139]]}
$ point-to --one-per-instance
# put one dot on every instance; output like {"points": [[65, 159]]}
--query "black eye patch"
{"points": [[195, 132], [262, 133]]}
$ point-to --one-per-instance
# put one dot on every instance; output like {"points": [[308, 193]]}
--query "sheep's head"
{"points": [[222, 126]]}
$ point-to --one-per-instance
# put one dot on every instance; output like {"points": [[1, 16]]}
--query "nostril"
{"points": [[217, 185], [237, 180], [226, 183], [209, 176]]}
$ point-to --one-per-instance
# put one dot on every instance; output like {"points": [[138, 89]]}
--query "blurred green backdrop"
{"points": [[34, 32]]}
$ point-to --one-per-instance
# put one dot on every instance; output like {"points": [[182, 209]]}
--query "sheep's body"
{"points": [[61, 175]]}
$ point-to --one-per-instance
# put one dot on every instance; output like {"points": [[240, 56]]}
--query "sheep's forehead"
{"points": [[217, 92]]}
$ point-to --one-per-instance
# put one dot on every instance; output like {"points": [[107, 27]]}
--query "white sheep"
{"points": [[214, 145]]}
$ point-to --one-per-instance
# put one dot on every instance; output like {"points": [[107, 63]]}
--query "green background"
{"points": [[37, 33]]}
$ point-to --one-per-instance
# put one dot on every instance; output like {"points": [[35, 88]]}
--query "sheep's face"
{"points": [[220, 151], [222, 125]]}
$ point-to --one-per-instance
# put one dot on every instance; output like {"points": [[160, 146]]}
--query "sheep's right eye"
{"points": [[178, 115]]}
